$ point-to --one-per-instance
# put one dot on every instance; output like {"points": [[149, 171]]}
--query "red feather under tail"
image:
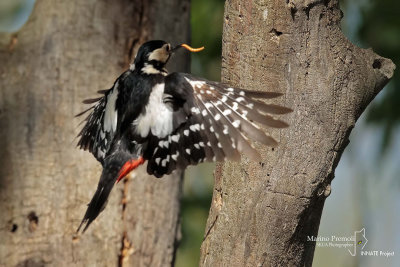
{"points": [[129, 166]]}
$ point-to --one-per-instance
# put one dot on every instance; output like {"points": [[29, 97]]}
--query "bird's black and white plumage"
{"points": [[171, 121]]}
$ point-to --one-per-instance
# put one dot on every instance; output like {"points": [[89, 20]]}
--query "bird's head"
{"points": [[154, 55]]}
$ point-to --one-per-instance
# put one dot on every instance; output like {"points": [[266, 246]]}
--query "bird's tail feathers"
{"points": [[116, 167], [99, 201]]}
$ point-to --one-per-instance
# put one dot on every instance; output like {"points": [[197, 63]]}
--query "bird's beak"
{"points": [[187, 47]]}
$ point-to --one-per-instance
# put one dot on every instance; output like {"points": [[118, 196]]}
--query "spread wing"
{"points": [[100, 125], [212, 122]]}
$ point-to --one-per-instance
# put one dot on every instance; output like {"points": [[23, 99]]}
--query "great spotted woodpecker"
{"points": [[171, 121]]}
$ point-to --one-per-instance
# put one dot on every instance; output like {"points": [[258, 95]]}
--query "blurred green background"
{"points": [[365, 192]]}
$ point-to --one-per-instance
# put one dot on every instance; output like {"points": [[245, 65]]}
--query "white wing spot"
{"points": [[175, 138], [187, 151], [251, 105], [217, 117], [194, 127], [100, 153], [195, 83], [158, 161], [186, 132], [225, 131], [235, 106], [195, 110], [227, 112], [239, 99], [197, 146], [111, 114], [236, 123], [208, 105], [166, 144]]}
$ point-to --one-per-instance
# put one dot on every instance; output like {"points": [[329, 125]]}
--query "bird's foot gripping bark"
{"points": [[129, 166]]}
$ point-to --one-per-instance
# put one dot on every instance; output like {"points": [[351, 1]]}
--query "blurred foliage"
{"points": [[206, 26], [196, 202], [14, 13], [380, 29]]}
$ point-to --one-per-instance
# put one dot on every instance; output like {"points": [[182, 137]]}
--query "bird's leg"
{"points": [[129, 166]]}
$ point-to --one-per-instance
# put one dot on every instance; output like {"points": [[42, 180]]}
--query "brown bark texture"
{"points": [[65, 53], [262, 212]]}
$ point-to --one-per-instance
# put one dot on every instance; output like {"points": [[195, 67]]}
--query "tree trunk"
{"points": [[262, 213], [65, 53]]}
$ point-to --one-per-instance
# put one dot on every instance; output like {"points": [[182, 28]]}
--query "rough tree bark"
{"points": [[262, 213], [65, 53]]}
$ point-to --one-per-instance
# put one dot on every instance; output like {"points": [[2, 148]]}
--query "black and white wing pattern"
{"points": [[212, 122], [100, 124]]}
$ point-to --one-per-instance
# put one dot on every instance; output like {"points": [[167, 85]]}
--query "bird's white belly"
{"points": [[158, 116]]}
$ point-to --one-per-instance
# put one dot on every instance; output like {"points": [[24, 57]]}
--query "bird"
{"points": [[171, 121]]}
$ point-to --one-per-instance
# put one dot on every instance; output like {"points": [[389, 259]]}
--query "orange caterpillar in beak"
{"points": [[187, 47]]}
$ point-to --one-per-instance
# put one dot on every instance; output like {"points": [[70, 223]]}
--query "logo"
{"points": [[359, 239], [355, 244]]}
